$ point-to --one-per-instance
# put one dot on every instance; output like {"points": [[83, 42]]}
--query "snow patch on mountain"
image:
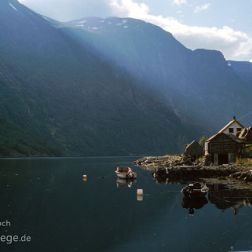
{"points": [[46, 18], [13, 7]]}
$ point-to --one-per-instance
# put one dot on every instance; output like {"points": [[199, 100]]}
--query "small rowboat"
{"points": [[125, 173], [195, 190]]}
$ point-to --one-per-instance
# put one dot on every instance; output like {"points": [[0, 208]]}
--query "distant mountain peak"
{"points": [[96, 23], [209, 52], [112, 24], [210, 56]]}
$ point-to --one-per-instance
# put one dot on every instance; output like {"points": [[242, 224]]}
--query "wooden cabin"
{"points": [[223, 148], [234, 127]]}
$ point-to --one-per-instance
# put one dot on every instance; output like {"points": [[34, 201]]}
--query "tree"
{"points": [[202, 141]]}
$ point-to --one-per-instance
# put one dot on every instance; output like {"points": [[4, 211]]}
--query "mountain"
{"points": [[200, 85], [59, 97], [243, 69]]}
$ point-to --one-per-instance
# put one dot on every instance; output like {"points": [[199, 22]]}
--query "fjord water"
{"points": [[48, 200]]}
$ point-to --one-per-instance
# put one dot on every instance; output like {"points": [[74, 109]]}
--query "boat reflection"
{"points": [[193, 203], [139, 197], [223, 194], [125, 183]]}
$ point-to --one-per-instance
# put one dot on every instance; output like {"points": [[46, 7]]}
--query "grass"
{"points": [[244, 161]]}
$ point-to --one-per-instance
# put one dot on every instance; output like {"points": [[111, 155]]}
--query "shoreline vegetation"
{"points": [[179, 168]]}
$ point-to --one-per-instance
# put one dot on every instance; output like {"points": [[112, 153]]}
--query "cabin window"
{"points": [[238, 130], [231, 130]]}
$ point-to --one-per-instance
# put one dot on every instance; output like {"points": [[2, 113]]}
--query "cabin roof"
{"points": [[232, 137], [246, 135], [193, 143], [230, 123]]}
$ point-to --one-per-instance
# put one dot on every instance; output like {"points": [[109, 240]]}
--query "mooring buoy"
{"points": [[140, 192]]}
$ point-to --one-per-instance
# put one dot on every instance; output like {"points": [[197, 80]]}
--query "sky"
{"points": [[224, 25]]}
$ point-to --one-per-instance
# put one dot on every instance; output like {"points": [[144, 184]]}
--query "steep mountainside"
{"points": [[243, 69], [199, 85], [59, 97]]}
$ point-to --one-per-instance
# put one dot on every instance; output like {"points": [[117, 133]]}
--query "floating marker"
{"points": [[140, 192]]}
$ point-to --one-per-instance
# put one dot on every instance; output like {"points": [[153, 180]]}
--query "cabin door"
{"points": [[223, 159]]}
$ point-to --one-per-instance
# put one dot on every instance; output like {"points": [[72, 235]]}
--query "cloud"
{"points": [[180, 2], [66, 10], [200, 8], [233, 44], [130, 8]]}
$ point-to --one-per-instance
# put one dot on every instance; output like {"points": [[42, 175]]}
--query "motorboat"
{"points": [[195, 190], [125, 173]]}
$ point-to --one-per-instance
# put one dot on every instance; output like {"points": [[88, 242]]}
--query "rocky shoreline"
{"points": [[229, 186], [180, 167]]}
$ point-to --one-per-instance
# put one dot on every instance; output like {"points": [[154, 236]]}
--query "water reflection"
{"points": [[223, 195], [193, 203], [164, 180], [125, 182], [49, 202], [139, 197], [84, 178], [235, 198]]}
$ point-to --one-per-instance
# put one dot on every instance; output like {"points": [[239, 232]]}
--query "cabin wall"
{"points": [[249, 137], [222, 145], [236, 129], [223, 150], [220, 159]]}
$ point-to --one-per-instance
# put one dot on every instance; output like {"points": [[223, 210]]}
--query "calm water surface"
{"points": [[48, 200]]}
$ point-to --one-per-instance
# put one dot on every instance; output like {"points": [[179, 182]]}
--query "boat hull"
{"points": [[192, 192], [124, 175]]}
